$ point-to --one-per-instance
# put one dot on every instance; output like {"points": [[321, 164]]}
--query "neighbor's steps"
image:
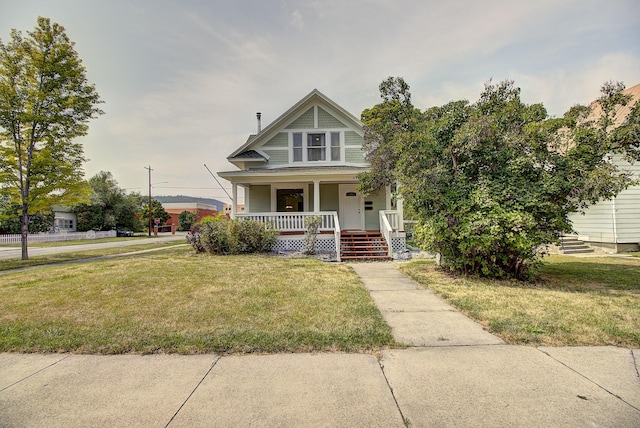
{"points": [[363, 245], [572, 245]]}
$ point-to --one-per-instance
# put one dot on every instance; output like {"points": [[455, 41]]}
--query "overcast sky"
{"points": [[182, 80]]}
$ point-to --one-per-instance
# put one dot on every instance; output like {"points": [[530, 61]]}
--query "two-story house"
{"points": [[307, 162]]}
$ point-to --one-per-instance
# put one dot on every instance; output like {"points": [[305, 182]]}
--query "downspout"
{"points": [[615, 225]]}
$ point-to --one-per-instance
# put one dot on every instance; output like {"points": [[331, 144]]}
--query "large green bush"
{"points": [[218, 235], [492, 182]]}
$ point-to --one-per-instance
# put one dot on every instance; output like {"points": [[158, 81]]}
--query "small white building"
{"points": [[65, 220]]}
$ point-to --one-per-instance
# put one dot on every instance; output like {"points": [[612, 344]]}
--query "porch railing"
{"points": [[393, 218], [336, 234], [292, 222], [295, 222]]}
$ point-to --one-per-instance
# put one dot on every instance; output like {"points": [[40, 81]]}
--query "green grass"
{"points": [[575, 301], [10, 264], [176, 301]]}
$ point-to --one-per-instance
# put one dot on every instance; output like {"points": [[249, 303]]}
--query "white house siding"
{"points": [[596, 225], [326, 120], [613, 222], [304, 121]]}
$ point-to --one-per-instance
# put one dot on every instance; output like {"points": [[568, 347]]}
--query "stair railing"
{"points": [[336, 234], [386, 230]]}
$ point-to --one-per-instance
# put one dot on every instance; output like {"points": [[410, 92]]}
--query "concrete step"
{"points": [[363, 245], [572, 245]]}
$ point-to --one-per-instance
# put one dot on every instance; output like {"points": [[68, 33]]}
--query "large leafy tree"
{"points": [[157, 212], [10, 218], [109, 206], [493, 181], [45, 102], [186, 219]]}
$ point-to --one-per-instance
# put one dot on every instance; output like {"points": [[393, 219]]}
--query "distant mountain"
{"points": [[180, 199]]}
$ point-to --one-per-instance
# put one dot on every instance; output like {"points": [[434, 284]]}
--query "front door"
{"points": [[351, 217]]}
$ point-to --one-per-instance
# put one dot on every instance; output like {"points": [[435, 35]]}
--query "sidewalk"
{"points": [[453, 374]]}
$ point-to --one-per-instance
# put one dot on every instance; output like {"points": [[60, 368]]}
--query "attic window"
{"points": [[297, 147], [316, 147], [335, 146]]}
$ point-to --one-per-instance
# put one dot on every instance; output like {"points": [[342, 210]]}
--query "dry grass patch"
{"points": [[10, 264], [594, 301], [176, 301]]}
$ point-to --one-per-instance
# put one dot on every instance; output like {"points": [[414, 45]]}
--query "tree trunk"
{"points": [[24, 231]]}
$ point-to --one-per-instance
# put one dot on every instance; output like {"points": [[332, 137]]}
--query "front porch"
{"points": [[330, 239]]}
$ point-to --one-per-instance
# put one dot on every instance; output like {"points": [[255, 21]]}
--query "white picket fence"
{"points": [[53, 237]]}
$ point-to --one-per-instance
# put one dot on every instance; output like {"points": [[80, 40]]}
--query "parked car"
{"points": [[122, 232]]}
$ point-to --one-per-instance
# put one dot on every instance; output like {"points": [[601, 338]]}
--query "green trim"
{"points": [[278, 157], [326, 120], [281, 140], [304, 121]]}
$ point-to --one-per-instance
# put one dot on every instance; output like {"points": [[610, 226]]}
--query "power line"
{"points": [[214, 177], [191, 188]]}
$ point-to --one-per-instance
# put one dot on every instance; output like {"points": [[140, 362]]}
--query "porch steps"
{"points": [[572, 245], [363, 245]]}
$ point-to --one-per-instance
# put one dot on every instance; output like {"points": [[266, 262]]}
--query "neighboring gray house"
{"points": [[64, 219], [614, 225], [306, 163]]}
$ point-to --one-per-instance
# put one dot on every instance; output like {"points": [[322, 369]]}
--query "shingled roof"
{"points": [[248, 155]]}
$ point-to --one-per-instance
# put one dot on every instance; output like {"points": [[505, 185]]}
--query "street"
{"points": [[16, 252]]}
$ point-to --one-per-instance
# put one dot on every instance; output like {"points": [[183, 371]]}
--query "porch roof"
{"points": [[323, 173]]}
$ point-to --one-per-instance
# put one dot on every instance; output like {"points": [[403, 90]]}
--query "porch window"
{"points": [[290, 200], [316, 147]]}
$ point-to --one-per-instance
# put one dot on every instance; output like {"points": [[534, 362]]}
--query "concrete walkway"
{"points": [[417, 316], [453, 374]]}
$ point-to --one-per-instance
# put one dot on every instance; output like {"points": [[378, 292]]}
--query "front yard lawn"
{"points": [[179, 302], [576, 301]]}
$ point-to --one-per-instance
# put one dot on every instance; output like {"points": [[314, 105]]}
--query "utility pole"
{"points": [[149, 168]]}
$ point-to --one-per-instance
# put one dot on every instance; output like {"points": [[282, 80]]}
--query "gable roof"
{"points": [[314, 97]]}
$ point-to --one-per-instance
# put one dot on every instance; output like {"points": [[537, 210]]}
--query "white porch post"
{"points": [[400, 208], [234, 202], [316, 196], [247, 202]]}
